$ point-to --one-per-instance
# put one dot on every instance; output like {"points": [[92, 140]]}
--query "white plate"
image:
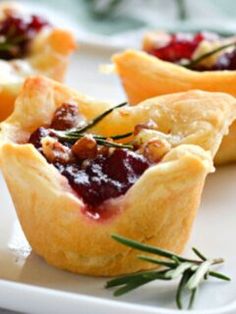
{"points": [[28, 284]]}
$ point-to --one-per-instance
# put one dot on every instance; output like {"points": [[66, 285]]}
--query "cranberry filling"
{"points": [[107, 175], [182, 46], [16, 32]]}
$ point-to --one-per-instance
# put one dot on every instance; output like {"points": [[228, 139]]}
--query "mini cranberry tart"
{"points": [[201, 51], [29, 44], [79, 170], [174, 63]]}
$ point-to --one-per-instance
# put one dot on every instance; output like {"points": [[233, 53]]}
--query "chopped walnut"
{"points": [[155, 149], [148, 125], [55, 151], [66, 117], [85, 148]]}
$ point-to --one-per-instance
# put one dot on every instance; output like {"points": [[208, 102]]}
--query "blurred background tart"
{"points": [[29, 44]]}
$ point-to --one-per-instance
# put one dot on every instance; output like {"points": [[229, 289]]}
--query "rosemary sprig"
{"points": [[190, 271], [100, 117], [73, 135], [191, 64], [101, 140]]}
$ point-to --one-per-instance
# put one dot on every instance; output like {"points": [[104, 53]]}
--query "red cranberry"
{"points": [[105, 177]]}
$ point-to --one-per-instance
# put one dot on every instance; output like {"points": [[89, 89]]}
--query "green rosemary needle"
{"points": [[191, 64], [190, 271]]}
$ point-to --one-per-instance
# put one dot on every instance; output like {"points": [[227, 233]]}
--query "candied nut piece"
{"points": [[85, 148], [156, 149], [55, 151], [66, 117]]}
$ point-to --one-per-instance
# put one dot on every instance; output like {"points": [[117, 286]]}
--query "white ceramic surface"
{"points": [[28, 284]]}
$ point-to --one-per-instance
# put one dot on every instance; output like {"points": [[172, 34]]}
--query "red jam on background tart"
{"points": [[79, 170], [183, 48], [29, 44], [17, 31]]}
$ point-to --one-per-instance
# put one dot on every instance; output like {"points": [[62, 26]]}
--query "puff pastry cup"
{"points": [[158, 209], [48, 54], [144, 76]]}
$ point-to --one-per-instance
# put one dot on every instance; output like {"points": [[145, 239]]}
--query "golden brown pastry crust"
{"points": [[57, 230], [144, 76], [50, 51], [158, 209]]}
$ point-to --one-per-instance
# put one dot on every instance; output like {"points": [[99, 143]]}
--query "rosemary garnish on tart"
{"points": [[190, 271], [191, 64], [74, 134]]}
